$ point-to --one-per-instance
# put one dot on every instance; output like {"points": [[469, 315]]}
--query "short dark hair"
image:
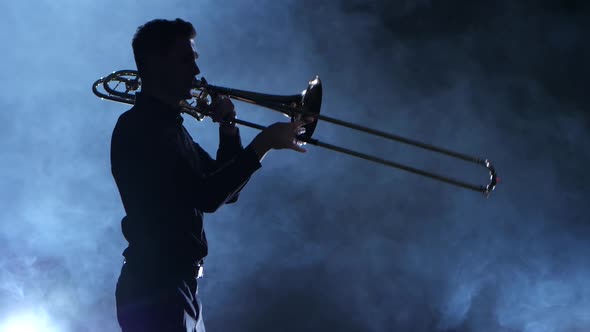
{"points": [[157, 37]]}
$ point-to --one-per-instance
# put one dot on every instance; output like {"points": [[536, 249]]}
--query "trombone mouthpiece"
{"points": [[200, 83]]}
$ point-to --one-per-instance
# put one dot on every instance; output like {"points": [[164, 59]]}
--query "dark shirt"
{"points": [[167, 181]]}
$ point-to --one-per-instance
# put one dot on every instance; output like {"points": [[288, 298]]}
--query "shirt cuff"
{"points": [[251, 162], [230, 141]]}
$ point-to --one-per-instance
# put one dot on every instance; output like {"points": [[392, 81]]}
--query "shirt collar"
{"points": [[155, 107]]}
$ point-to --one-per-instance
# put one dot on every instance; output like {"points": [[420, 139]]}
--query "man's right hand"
{"points": [[280, 135]]}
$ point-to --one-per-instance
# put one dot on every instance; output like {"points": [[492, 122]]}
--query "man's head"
{"points": [[165, 56]]}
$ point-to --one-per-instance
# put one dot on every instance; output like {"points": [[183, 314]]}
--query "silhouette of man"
{"points": [[167, 181]]}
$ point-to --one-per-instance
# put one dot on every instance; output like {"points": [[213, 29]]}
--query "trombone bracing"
{"points": [[306, 103]]}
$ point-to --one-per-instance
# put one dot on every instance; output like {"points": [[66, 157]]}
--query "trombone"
{"points": [[306, 103]]}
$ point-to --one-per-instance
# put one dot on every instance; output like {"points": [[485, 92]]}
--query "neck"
{"points": [[161, 95]]}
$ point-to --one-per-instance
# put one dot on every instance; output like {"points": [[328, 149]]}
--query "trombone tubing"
{"points": [[483, 189], [276, 105]]}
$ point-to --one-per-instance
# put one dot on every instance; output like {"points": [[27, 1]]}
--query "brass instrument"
{"points": [[306, 103]]}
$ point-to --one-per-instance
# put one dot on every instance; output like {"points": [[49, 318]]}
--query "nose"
{"points": [[196, 71]]}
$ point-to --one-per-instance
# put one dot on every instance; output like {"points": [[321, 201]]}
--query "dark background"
{"points": [[318, 241]]}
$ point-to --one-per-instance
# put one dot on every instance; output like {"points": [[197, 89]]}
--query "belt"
{"points": [[196, 271]]}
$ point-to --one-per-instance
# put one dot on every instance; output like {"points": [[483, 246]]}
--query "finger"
{"points": [[297, 145], [222, 101], [297, 148], [230, 103], [229, 114], [296, 124], [224, 109], [230, 118], [215, 100], [226, 101]]}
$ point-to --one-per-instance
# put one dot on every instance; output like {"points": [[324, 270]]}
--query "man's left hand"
{"points": [[223, 111]]}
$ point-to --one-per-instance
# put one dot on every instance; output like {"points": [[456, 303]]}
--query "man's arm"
{"points": [[230, 145], [209, 191]]}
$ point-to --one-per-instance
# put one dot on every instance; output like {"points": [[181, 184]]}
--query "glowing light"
{"points": [[28, 322]]}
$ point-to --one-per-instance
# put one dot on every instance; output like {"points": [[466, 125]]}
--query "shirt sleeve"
{"points": [[229, 147], [218, 182]]}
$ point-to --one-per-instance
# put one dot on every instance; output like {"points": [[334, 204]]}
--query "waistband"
{"points": [[195, 270]]}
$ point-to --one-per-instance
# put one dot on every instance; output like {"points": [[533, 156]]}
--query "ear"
{"points": [[154, 64]]}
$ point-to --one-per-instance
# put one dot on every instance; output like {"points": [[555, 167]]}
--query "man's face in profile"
{"points": [[179, 69]]}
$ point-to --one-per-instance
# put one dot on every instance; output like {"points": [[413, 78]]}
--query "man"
{"points": [[167, 181]]}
